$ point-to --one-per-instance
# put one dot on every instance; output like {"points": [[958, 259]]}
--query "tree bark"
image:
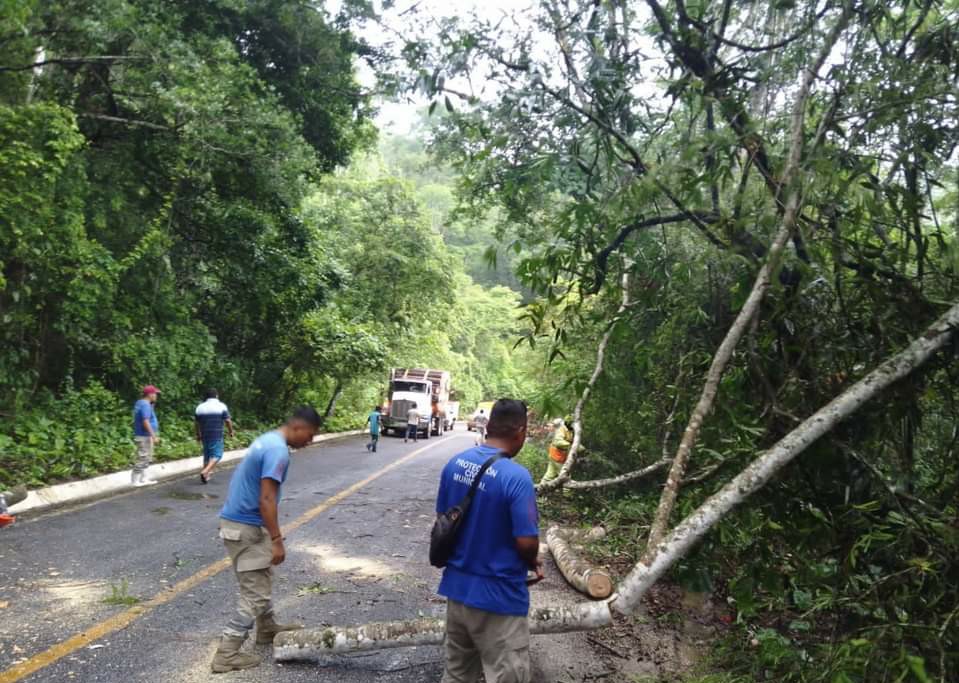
{"points": [[564, 473], [331, 406], [581, 575], [313, 643], [790, 182]]}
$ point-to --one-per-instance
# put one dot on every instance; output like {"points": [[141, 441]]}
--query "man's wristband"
{"points": [[278, 537]]}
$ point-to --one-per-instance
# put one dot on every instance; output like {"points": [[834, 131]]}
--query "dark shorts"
{"points": [[212, 450]]}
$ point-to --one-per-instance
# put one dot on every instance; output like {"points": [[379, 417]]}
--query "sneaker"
{"points": [[369, 447], [205, 478], [148, 482]]}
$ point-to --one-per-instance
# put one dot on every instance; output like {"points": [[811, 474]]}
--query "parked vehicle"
{"points": [[425, 389], [486, 407]]}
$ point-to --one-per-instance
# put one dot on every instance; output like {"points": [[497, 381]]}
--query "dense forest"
{"points": [[192, 195], [691, 224]]}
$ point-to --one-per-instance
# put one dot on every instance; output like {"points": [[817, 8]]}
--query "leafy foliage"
{"points": [[653, 139]]}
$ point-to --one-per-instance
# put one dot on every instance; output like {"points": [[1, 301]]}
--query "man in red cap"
{"points": [[146, 432]]}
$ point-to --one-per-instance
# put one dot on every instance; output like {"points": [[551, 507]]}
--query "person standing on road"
{"points": [[412, 424], [250, 529], [210, 418], [559, 447], [481, 421], [485, 581], [373, 420], [146, 434]]}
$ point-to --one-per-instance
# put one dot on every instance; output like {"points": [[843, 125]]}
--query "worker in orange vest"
{"points": [[559, 446]]}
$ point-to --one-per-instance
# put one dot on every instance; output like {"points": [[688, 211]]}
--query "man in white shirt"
{"points": [[211, 417], [412, 424], [481, 420]]}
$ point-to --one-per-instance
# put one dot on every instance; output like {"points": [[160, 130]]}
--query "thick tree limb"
{"points": [[312, 643], [790, 180], [621, 479], [601, 259], [564, 473], [686, 534], [581, 575], [118, 119]]}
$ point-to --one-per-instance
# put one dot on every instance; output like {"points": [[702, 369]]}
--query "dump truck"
{"points": [[425, 389]]}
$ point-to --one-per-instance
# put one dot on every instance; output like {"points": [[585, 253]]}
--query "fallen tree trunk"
{"points": [[310, 643], [581, 575], [313, 643]]}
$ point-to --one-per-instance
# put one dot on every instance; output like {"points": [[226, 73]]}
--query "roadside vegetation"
{"points": [[183, 207], [191, 205]]}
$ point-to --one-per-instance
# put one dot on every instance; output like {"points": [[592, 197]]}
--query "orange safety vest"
{"points": [[557, 455]]}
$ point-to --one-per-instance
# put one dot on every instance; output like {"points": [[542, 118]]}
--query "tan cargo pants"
{"points": [[144, 454], [481, 642], [251, 551]]}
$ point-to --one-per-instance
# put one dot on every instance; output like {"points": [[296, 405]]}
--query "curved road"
{"points": [[135, 588]]}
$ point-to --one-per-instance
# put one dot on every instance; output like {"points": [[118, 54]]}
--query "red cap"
{"points": [[150, 389]]}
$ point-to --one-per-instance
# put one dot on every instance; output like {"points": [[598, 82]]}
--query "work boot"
{"points": [[229, 658], [266, 628]]}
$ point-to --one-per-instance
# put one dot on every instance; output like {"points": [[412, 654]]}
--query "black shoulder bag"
{"points": [[446, 528]]}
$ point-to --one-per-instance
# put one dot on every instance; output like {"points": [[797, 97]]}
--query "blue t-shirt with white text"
{"points": [[374, 420], [267, 458], [486, 571], [143, 410]]}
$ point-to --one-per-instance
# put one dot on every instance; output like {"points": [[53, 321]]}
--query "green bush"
{"points": [[88, 432]]}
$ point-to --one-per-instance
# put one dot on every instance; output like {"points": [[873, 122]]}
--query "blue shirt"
{"points": [[211, 415], [143, 410], [374, 420], [267, 458], [486, 571]]}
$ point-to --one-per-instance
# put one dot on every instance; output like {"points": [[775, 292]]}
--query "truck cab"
{"points": [[425, 389], [406, 394]]}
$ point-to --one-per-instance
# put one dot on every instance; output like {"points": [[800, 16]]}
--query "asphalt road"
{"points": [[360, 559]]}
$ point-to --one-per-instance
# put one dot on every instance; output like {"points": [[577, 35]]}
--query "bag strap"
{"points": [[468, 498]]}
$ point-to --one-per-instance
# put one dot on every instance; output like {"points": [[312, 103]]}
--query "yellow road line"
{"points": [[127, 617]]}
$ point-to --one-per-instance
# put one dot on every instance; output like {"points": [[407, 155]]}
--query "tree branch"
{"points": [[118, 119], [621, 479], [73, 60], [751, 307], [602, 257], [564, 474]]}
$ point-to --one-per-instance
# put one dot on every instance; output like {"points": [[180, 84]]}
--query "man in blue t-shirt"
{"points": [[485, 580], [146, 434], [211, 417], [373, 420], [250, 529]]}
